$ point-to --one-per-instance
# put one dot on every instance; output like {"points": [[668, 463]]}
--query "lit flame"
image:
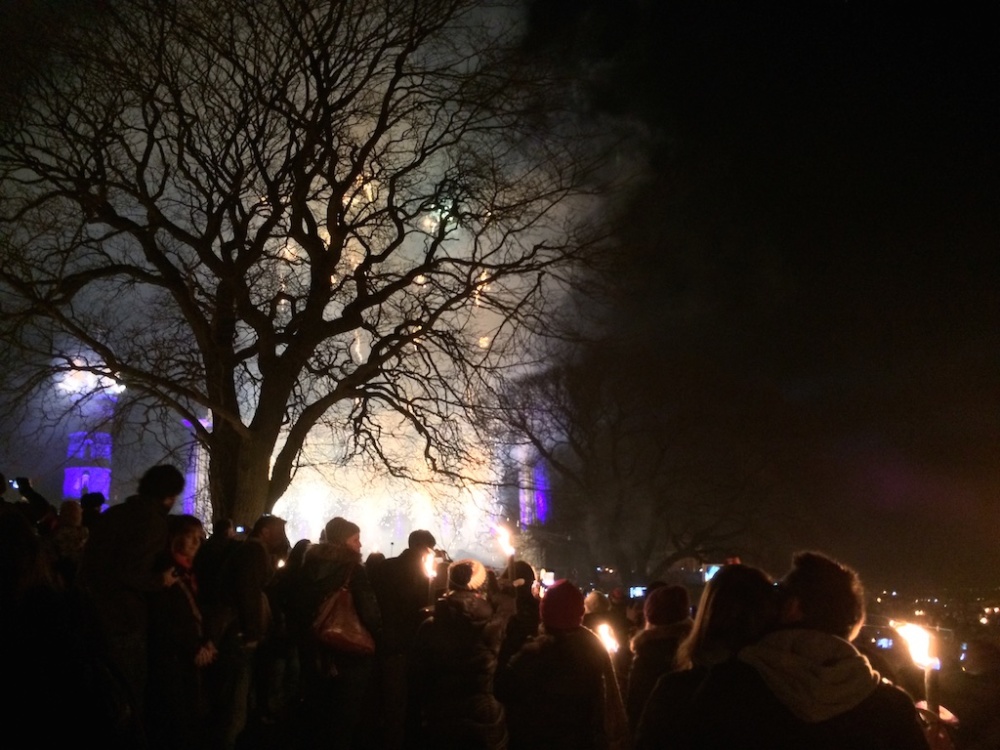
{"points": [[918, 640], [430, 568], [607, 637], [503, 537]]}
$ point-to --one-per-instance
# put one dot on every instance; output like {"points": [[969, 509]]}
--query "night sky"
{"points": [[822, 227]]}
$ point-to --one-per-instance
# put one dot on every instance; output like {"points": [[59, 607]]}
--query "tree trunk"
{"points": [[238, 475]]}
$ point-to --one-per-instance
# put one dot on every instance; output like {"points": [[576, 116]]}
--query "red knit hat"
{"points": [[562, 606]]}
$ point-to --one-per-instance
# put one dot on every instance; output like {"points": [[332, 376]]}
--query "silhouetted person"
{"points": [[66, 541], [241, 624], [280, 669], [738, 605], [117, 570], [560, 689], [209, 562], [403, 590], [803, 685], [523, 626], [453, 661], [26, 500], [667, 622], [179, 649], [335, 683], [92, 504], [61, 689]]}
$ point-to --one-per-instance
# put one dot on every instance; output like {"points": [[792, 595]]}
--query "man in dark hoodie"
{"points": [[804, 685]]}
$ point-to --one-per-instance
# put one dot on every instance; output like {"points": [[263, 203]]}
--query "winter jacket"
{"points": [[654, 651], [663, 722], [452, 665], [829, 685], [244, 609], [799, 689], [402, 589], [117, 568], [325, 567], [335, 685], [560, 693], [523, 626]]}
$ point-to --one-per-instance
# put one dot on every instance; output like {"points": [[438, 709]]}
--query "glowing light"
{"points": [[503, 539], [481, 287], [82, 380], [607, 637], [430, 565], [918, 640], [387, 510]]}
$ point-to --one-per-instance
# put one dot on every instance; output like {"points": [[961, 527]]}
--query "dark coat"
{"points": [[244, 608], [800, 690], [175, 698], [667, 710], [117, 567], [452, 666], [403, 592], [335, 685], [208, 565], [523, 626], [556, 693], [654, 651]]}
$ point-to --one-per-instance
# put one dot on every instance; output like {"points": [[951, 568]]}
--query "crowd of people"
{"points": [[140, 630]]}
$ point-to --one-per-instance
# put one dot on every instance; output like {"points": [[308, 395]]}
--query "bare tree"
{"points": [[272, 216], [650, 464]]}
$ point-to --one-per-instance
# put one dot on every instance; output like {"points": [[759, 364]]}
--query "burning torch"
{"points": [[430, 570], [503, 537], [922, 650], [607, 636]]}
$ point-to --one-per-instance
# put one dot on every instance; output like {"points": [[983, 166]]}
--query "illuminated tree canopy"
{"points": [[288, 214]]}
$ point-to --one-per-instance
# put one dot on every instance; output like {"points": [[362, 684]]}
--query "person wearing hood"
{"points": [[804, 685], [453, 661], [335, 684], [667, 616]]}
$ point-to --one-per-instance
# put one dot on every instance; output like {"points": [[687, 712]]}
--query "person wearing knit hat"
{"points": [[562, 607], [453, 661], [336, 684], [667, 612], [567, 670], [527, 615], [666, 605], [466, 575], [339, 530]]}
